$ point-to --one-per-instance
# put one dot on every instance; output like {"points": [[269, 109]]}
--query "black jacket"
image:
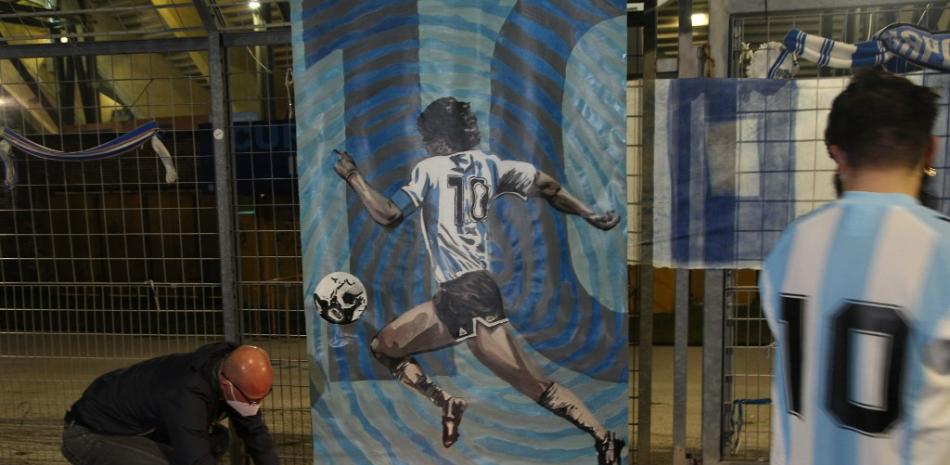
{"points": [[174, 399]]}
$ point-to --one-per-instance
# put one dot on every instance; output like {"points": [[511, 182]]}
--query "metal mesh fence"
{"points": [[264, 148], [748, 344], [747, 368], [101, 263]]}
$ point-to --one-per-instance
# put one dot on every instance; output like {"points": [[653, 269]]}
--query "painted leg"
{"points": [[419, 330], [497, 349]]}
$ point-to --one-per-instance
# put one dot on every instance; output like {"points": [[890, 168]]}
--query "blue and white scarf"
{"points": [[118, 146], [830, 53], [894, 45], [928, 49]]}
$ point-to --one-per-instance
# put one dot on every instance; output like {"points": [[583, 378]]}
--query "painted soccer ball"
{"points": [[340, 298]]}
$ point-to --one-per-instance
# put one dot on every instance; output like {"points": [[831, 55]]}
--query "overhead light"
{"points": [[635, 6], [254, 4], [699, 19], [64, 40]]}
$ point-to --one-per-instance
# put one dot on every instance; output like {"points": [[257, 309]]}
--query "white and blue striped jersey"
{"points": [[857, 295], [454, 193]]}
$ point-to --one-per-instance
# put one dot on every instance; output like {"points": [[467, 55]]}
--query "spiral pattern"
{"points": [[546, 81]]}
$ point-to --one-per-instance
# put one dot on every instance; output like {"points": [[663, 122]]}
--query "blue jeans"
{"points": [[82, 446]]}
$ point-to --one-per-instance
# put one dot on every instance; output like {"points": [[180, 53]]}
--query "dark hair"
{"points": [[452, 121], [882, 120]]}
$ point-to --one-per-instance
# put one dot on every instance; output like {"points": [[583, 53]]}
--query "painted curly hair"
{"points": [[451, 121]]}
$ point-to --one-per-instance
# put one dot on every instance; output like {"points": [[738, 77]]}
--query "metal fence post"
{"points": [[686, 69], [712, 367], [645, 349], [224, 193], [645, 354], [224, 188], [680, 365]]}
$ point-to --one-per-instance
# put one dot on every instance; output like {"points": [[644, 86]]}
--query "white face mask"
{"points": [[243, 408]]}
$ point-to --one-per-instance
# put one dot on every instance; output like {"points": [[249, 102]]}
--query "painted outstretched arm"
{"points": [[549, 189], [381, 209]]}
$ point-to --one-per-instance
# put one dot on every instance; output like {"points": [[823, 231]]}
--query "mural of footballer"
{"points": [[454, 189]]}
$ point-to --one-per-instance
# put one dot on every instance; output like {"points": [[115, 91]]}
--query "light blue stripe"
{"points": [[457, 27], [857, 232]]}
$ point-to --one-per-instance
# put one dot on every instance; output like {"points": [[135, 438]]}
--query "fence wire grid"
{"points": [[748, 346], [103, 264]]}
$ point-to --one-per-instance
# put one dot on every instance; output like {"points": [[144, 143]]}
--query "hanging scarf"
{"points": [[830, 53], [118, 146]]}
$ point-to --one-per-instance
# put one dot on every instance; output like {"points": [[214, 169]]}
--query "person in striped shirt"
{"points": [[856, 294]]}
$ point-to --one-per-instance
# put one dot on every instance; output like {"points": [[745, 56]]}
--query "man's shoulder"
{"points": [[937, 221], [437, 164], [810, 219], [930, 224], [940, 224], [214, 350], [433, 165], [797, 226]]}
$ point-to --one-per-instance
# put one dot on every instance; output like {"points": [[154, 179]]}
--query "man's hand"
{"points": [[604, 221], [345, 167]]}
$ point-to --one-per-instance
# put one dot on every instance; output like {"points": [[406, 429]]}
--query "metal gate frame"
{"points": [[215, 45]]}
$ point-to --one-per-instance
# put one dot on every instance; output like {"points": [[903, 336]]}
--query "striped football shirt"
{"points": [[857, 294]]}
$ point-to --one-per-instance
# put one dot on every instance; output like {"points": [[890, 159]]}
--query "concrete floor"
{"points": [[43, 375]]}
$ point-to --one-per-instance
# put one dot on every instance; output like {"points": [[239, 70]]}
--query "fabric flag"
{"points": [[739, 159], [451, 110]]}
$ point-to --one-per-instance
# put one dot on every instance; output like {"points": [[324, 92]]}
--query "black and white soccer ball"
{"points": [[340, 298]]}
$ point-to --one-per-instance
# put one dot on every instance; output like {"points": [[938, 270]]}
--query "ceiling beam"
{"points": [[40, 120], [10, 7], [206, 15], [107, 88], [112, 47], [178, 19], [129, 47], [9, 11], [279, 36], [27, 76], [49, 114], [284, 10]]}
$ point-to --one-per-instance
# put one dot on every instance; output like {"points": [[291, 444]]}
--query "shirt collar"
{"points": [[890, 198]]}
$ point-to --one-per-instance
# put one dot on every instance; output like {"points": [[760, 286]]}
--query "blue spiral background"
{"points": [[546, 80]]}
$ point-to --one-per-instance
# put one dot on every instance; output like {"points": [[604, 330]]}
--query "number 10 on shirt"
{"points": [[478, 196], [853, 319]]}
